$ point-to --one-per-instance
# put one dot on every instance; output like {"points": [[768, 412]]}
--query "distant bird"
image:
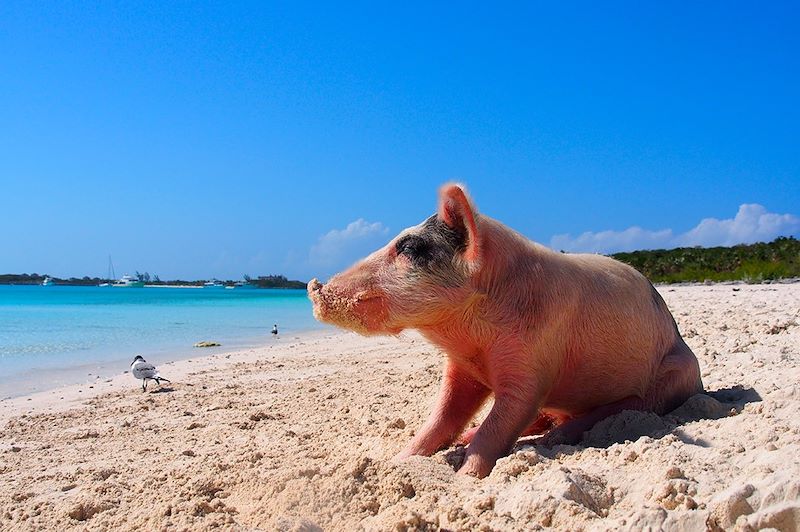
{"points": [[141, 369], [275, 330]]}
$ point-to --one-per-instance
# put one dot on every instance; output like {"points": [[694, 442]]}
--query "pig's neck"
{"points": [[501, 303], [455, 339], [462, 349]]}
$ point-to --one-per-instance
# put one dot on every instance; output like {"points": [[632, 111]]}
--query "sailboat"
{"points": [[111, 274]]}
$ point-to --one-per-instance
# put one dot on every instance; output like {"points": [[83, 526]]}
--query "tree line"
{"points": [[752, 263]]}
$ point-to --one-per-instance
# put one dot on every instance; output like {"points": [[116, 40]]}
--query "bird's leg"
{"points": [[144, 385]]}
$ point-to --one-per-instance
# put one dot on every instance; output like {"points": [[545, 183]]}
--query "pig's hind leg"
{"points": [[460, 397], [677, 379], [571, 431]]}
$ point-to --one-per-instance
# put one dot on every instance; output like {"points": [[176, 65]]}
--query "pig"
{"points": [[559, 340]]}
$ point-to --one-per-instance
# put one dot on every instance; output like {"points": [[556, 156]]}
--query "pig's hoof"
{"points": [[402, 456], [398, 458], [475, 466]]}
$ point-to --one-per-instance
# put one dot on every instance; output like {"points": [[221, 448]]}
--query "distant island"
{"points": [[264, 281]]}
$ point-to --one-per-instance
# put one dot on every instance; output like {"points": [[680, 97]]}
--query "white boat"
{"points": [[48, 282], [128, 282], [243, 284], [213, 284]]}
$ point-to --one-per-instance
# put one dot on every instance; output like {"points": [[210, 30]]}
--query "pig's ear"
{"points": [[457, 211]]}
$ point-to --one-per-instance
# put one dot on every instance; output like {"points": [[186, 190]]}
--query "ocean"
{"points": [[57, 335]]}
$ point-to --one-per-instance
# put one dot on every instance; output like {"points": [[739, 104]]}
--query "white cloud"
{"points": [[610, 241], [752, 223], [340, 247]]}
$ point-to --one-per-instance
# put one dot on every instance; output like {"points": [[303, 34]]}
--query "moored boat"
{"points": [[128, 282]]}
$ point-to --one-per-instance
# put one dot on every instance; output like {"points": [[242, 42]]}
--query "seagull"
{"points": [[145, 371]]}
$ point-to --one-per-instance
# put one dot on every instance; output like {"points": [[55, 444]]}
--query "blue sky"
{"points": [[197, 140]]}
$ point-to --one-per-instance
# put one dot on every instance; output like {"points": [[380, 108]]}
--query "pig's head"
{"points": [[419, 279]]}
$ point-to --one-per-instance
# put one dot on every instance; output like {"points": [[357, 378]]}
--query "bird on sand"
{"points": [[141, 369]]}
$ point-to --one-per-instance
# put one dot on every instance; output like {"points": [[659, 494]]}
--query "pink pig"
{"points": [[561, 341]]}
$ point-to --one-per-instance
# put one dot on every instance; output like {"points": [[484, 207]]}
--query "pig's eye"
{"points": [[410, 246]]}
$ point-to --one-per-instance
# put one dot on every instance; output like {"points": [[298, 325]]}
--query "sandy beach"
{"points": [[299, 436]]}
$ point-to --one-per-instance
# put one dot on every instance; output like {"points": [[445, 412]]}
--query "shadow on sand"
{"points": [[630, 425], [163, 389]]}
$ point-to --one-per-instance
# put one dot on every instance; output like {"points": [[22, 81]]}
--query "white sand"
{"points": [[298, 436]]}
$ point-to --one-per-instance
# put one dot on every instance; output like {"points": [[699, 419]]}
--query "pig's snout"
{"points": [[313, 287], [362, 311]]}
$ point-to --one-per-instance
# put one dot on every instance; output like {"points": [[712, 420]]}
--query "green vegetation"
{"points": [[751, 263]]}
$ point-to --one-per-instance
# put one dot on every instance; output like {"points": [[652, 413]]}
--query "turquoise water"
{"points": [[59, 327]]}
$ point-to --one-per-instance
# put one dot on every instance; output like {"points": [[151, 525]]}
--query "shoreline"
{"points": [[37, 380]]}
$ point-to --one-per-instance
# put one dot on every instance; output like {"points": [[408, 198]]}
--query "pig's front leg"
{"points": [[497, 434], [515, 407], [460, 396]]}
